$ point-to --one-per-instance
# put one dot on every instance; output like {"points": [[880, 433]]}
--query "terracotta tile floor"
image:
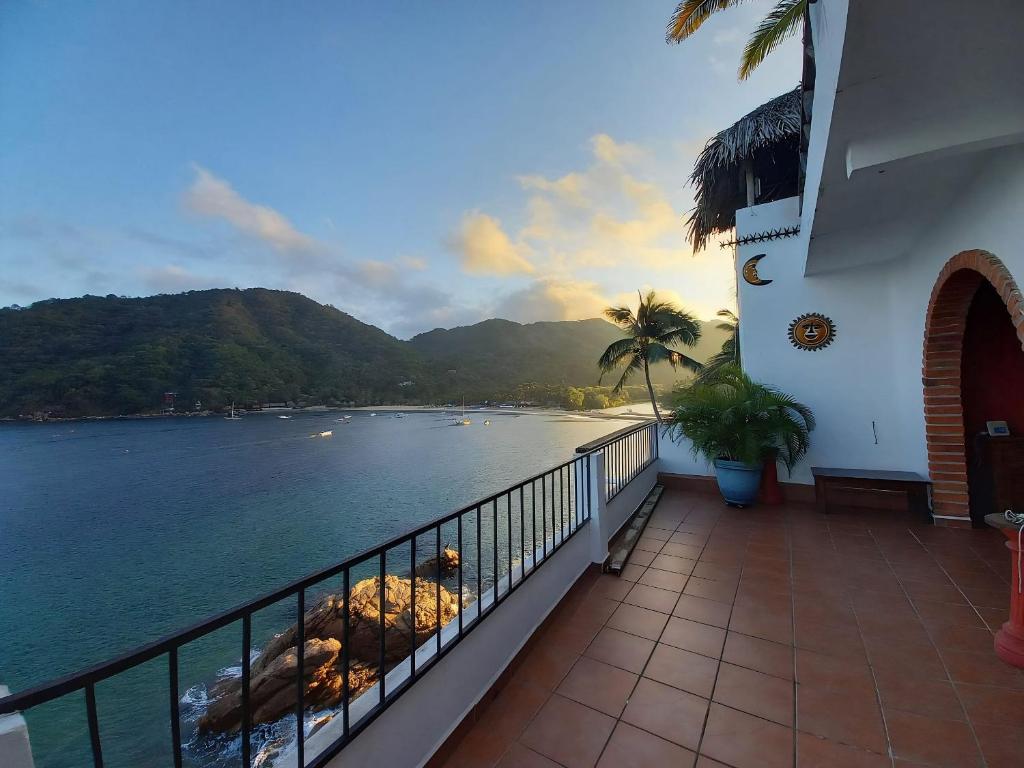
{"points": [[770, 637]]}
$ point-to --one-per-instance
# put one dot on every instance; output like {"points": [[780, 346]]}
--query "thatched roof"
{"points": [[769, 137]]}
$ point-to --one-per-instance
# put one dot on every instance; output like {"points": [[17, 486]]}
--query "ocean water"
{"points": [[116, 533]]}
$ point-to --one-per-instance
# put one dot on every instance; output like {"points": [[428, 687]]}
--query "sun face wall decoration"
{"points": [[812, 332]]}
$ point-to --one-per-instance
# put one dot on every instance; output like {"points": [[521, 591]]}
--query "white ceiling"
{"points": [[925, 88]]}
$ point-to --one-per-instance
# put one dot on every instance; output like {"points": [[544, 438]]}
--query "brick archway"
{"points": [[943, 350]]}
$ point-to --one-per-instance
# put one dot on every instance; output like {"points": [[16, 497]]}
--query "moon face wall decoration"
{"points": [[749, 270], [812, 332]]}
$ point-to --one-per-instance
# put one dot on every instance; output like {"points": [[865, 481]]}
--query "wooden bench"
{"points": [[911, 483]]}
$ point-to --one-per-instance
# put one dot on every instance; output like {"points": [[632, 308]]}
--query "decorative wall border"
{"points": [[761, 237], [944, 329]]}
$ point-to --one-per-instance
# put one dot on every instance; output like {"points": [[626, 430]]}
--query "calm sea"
{"points": [[115, 533]]}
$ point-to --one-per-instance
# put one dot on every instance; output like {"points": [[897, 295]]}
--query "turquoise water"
{"points": [[115, 533]]}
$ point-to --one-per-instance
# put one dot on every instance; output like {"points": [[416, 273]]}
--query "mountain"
{"points": [[109, 355], [500, 353], [112, 355]]}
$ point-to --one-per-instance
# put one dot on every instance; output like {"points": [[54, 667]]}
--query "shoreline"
{"points": [[611, 414]]}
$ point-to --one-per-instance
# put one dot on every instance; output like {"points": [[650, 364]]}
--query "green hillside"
{"points": [[104, 356], [495, 355], [109, 355]]}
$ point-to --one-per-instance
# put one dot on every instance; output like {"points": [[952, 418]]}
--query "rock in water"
{"points": [[272, 692], [272, 687], [365, 624], [449, 564]]}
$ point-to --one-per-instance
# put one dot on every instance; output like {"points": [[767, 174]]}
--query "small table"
{"points": [[915, 486], [1009, 642]]}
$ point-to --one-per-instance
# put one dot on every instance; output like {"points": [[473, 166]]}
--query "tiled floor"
{"points": [[770, 637]]}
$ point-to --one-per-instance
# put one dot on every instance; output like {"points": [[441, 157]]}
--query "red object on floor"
{"points": [[770, 491], [1009, 642]]}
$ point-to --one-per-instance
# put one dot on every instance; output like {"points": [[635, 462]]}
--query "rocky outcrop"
{"points": [[449, 565], [273, 689], [365, 625]]}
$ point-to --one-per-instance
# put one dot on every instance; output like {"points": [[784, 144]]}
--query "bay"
{"points": [[114, 533]]}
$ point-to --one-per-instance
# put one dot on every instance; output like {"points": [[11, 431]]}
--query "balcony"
{"points": [[761, 637], [768, 637]]}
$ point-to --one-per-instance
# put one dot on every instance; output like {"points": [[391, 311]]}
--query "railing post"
{"points": [[14, 745], [598, 502]]}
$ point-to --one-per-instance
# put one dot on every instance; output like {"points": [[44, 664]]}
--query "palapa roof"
{"points": [[769, 136]]}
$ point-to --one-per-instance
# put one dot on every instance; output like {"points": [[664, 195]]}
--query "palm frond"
{"points": [[659, 353], [636, 364], [621, 316], [779, 25], [690, 15], [616, 354], [731, 416]]}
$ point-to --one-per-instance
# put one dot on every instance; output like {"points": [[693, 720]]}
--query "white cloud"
{"points": [[552, 298], [614, 153], [214, 197], [570, 187], [485, 248]]}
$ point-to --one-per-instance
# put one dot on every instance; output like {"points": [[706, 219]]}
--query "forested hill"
{"points": [[109, 355], [563, 352], [102, 356]]}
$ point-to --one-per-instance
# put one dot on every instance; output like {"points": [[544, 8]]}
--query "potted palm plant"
{"points": [[737, 423]]}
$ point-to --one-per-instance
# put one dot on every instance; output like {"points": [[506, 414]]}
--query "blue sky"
{"points": [[415, 164]]}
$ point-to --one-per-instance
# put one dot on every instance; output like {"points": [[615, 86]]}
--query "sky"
{"points": [[417, 165]]}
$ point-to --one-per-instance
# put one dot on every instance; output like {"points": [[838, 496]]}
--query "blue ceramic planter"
{"points": [[738, 482]]}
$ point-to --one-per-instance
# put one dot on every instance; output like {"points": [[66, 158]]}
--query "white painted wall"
{"points": [[872, 371], [15, 750], [677, 457]]}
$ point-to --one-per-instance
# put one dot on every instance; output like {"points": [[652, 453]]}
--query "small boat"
{"points": [[233, 417], [284, 417], [463, 421], [373, 414], [399, 415], [487, 422], [327, 433]]}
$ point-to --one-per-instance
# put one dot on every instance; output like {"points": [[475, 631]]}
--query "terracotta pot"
{"points": [[770, 491]]}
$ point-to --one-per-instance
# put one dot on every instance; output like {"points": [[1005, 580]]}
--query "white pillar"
{"points": [[598, 518], [15, 751]]}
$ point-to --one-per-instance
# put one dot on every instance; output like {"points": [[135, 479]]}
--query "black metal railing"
{"points": [[501, 540], [627, 453]]}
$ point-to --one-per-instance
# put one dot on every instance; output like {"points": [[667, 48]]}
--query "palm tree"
{"points": [[779, 25], [730, 352], [655, 326]]}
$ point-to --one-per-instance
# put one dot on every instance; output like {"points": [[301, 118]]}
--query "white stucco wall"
{"points": [[872, 371], [15, 750], [676, 458]]}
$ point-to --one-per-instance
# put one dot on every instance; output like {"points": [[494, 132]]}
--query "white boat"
{"points": [[233, 416], [326, 433], [373, 414], [284, 417]]}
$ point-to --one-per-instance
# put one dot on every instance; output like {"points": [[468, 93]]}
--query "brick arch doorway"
{"points": [[969, 286]]}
